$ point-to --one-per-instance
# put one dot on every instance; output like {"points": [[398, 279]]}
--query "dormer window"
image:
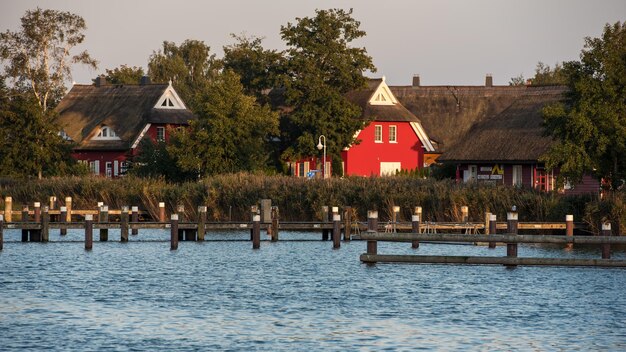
{"points": [[106, 132], [167, 103], [64, 135]]}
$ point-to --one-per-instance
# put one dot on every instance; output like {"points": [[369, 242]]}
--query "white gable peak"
{"points": [[382, 95], [170, 99]]}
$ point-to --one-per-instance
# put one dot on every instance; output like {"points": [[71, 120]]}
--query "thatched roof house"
{"points": [[107, 121]]}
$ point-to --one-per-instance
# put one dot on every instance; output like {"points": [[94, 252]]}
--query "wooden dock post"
{"points": [[45, 224], [606, 247], [511, 224], [53, 202], [88, 232], [372, 226], [104, 217], [124, 224], [254, 210], [487, 229], [134, 218], [180, 211], [569, 230], [325, 215], [415, 228], [274, 233], [256, 231], [8, 209], [25, 233], [493, 229], [1, 231], [162, 217], [396, 212], [35, 235], [202, 210], [347, 223], [68, 206], [336, 231], [418, 211], [464, 214], [174, 232], [62, 220]]}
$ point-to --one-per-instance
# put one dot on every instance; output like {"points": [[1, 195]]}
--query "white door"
{"points": [[389, 168]]}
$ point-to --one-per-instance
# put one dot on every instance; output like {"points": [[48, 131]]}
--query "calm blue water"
{"points": [[296, 295]]}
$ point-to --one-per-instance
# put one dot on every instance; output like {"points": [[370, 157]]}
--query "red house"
{"points": [[394, 140], [107, 121]]}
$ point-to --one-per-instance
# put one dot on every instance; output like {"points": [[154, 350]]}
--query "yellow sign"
{"points": [[497, 170]]}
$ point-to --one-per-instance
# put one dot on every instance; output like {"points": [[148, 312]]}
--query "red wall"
{"points": [[364, 158]]}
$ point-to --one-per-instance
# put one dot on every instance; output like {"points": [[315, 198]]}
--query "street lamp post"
{"points": [[321, 146]]}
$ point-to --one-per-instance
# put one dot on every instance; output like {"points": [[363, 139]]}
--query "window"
{"points": [[94, 166], [517, 175], [378, 134], [106, 133], [160, 133], [108, 166], [123, 167], [392, 134], [64, 135]]}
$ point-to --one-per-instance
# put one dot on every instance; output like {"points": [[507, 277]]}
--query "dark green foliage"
{"points": [[232, 132], [124, 75], [29, 143], [544, 75], [154, 161], [321, 68], [190, 67], [258, 68], [590, 127]]}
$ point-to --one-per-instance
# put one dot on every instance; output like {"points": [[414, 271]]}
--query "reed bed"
{"points": [[229, 197]]}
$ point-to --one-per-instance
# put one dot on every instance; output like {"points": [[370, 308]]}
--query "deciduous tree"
{"points": [[124, 75], [322, 66], [590, 126], [40, 55]]}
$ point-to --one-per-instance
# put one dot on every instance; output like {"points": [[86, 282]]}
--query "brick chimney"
{"points": [[416, 80], [101, 81], [145, 80], [488, 80]]}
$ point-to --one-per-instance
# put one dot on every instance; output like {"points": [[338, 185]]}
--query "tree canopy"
{"points": [[39, 55], [189, 66], [124, 75], [321, 68], [590, 126], [231, 134]]}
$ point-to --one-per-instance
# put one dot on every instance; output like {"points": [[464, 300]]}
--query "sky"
{"points": [[446, 42]]}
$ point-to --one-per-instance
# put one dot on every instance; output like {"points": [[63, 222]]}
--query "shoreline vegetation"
{"points": [[229, 197]]}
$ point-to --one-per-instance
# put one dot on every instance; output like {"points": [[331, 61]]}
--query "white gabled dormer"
{"points": [[170, 99], [382, 95], [106, 133]]}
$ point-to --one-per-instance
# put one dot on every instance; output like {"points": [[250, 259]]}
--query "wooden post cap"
{"points": [[100, 204], [1, 217], [88, 217], [135, 209], [335, 209], [493, 217], [45, 208], [37, 205], [8, 198], [161, 204], [180, 208], [464, 209], [125, 209], [396, 209], [415, 218], [336, 217], [256, 218], [569, 217], [104, 208], [372, 214], [68, 199], [62, 209], [174, 217], [418, 209], [606, 226], [202, 209], [511, 216]]}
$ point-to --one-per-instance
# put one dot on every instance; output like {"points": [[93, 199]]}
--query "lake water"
{"points": [[296, 295]]}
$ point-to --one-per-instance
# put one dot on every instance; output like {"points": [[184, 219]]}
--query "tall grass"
{"points": [[229, 197]]}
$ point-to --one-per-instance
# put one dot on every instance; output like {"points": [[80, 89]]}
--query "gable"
{"points": [[382, 95], [169, 99]]}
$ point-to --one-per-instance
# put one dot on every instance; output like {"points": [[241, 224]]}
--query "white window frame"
{"points": [[517, 178], [106, 133], [108, 169], [378, 133], [160, 130], [94, 167], [393, 136]]}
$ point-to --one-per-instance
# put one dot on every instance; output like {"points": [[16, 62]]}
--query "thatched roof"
{"points": [[514, 135], [124, 108]]}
